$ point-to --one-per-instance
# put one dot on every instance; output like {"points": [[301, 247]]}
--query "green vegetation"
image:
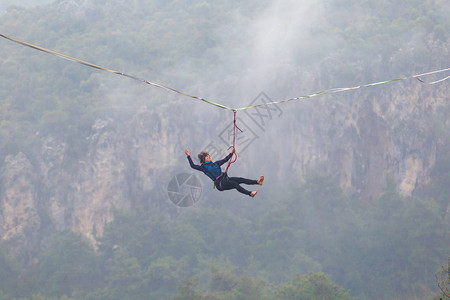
{"points": [[309, 242], [308, 246], [178, 42]]}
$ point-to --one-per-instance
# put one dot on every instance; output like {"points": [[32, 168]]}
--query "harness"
{"points": [[219, 180]]}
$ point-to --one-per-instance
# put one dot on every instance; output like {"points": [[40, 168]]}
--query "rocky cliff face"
{"points": [[361, 139], [124, 166], [368, 136], [20, 218]]}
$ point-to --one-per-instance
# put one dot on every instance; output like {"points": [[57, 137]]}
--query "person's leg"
{"points": [[241, 180], [229, 184]]}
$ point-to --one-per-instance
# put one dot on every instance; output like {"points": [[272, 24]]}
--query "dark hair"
{"points": [[202, 156]]}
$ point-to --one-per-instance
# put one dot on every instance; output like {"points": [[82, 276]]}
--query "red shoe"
{"points": [[253, 194], [261, 180]]}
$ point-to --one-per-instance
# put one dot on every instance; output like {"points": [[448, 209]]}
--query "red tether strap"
{"points": [[234, 142]]}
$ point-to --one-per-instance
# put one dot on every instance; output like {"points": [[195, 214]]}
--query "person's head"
{"points": [[203, 157]]}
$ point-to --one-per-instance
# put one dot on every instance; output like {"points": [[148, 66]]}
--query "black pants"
{"points": [[224, 183]]}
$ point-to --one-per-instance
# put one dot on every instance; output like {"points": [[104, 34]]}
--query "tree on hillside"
{"points": [[311, 287], [69, 264], [443, 281], [226, 285]]}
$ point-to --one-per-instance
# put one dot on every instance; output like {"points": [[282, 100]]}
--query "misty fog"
{"points": [[355, 199]]}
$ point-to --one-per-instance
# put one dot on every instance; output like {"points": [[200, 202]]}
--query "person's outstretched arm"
{"points": [[193, 166], [222, 161]]}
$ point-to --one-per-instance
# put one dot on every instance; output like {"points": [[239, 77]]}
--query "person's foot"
{"points": [[253, 194], [261, 180]]}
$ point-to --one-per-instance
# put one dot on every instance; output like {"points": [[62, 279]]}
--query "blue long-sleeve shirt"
{"points": [[215, 165]]}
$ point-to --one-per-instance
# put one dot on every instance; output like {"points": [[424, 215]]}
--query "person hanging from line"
{"points": [[221, 179]]}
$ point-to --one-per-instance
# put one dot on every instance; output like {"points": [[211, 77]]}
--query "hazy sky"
{"points": [[4, 4]]}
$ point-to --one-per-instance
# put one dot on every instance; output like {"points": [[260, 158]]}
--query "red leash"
{"points": [[234, 142]]}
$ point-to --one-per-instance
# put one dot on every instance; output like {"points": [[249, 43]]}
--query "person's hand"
{"points": [[187, 152], [233, 150]]}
